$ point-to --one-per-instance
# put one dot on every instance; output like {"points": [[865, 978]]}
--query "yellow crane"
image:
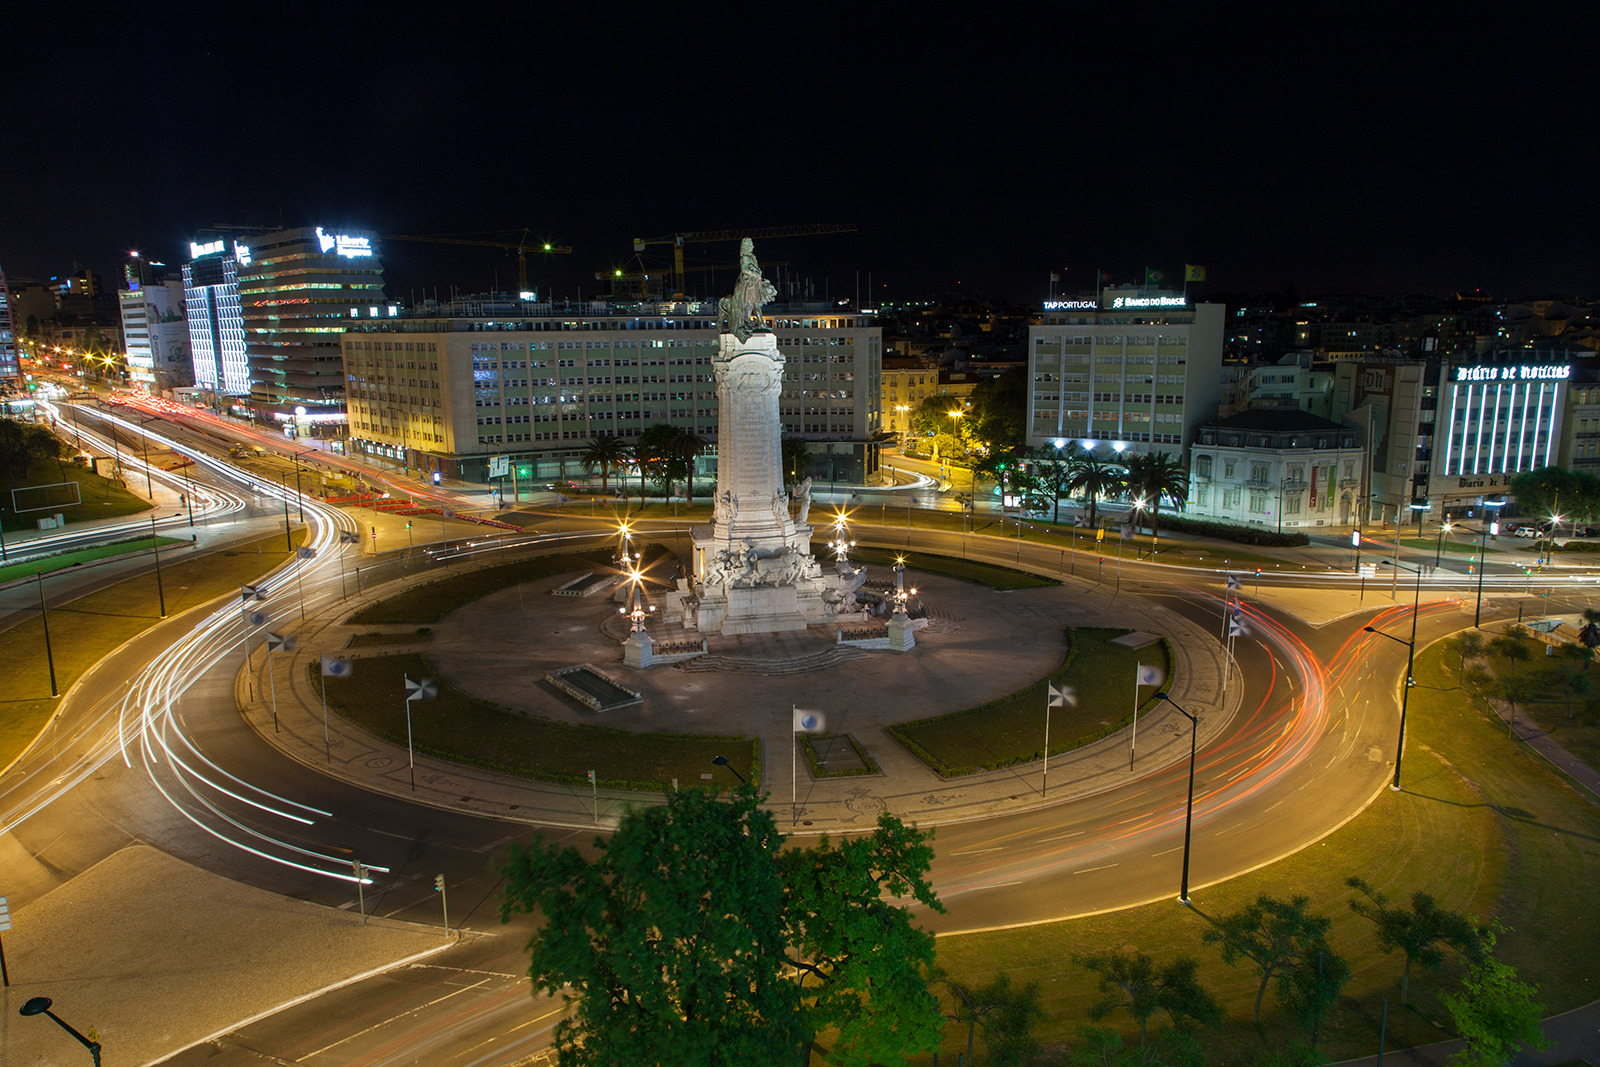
{"points": [[522, 246], [678, 240]]}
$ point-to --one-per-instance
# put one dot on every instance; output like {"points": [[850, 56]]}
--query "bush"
{"points": [[1227, 531]]}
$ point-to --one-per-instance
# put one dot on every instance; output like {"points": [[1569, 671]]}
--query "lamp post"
{"points": [[41, 1006], [155, 546], [299, 499], [1411, 656], [1188, 816], [44, 617], [722, 761], [1494, 531], [1438, 548]]}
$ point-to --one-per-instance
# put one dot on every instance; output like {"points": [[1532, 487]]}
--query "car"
{"points": [[1525, 531]]}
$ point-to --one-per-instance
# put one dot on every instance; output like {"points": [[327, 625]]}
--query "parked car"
{"points": [[1529, 532]]}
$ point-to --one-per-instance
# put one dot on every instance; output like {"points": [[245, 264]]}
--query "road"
{"points": [[165, 759]]}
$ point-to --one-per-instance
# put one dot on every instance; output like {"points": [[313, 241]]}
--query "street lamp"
{"points": [[1438, 547], [1494, 531], [1188, 816], [41, 1006], [1411, 656], [722, 761]]}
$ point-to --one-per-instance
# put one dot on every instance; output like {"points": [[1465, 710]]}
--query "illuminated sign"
{"points": [[1517, 373], [241, 253], [1150, 302], [210, 248], [1071, 305], [344, 245]]}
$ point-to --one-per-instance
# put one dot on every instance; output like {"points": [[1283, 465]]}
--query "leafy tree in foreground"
{"points": [[1495, 1013], [681, 942], [1007, 1014], [1470, 645], [1169, 1048], [1421, 931], [1289, 946], [1131, 980]]}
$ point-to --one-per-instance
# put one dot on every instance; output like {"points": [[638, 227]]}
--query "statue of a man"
{"points": [[740, 314], [804, 496]]}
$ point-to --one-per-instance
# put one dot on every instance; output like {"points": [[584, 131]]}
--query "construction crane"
{"points": [[522, 246], [678, 240], [642, 276]]}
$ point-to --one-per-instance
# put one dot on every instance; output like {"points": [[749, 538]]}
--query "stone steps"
{"points": [[772, 665]]}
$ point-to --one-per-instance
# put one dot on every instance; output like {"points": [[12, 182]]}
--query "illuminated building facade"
{"points": [[1495, 421], [298, 290], [448, 388], [10, 368], [1133, 370], [216, 327], [154, 327], [1276, 466]]}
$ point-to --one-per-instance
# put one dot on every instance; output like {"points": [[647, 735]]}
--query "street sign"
{"points": [[499, 466], [5, 915]]}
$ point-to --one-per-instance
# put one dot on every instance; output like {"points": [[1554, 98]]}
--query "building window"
{"points": [[1202, 466], [1258, 503], [1227, 468], [1202, 496]]}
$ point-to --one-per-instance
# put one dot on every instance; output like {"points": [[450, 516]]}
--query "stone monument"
{"points": [[753, 571]]}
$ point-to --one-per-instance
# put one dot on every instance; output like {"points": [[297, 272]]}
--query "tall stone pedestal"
{"points": [[752, 569]]}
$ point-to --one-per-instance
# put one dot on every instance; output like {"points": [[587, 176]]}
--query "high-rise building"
{"points": [[447, 389], [153, 326], [1136, 369], [216, 328], [9, 367], [298, 290]]}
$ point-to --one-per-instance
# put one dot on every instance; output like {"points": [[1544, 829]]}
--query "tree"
{"points": [[653, 452], [1155, 475], [1289, 946], [1514, 689], [1132, 981], [1052, 467], [1421, 931], [1006, 1013], [1494, 1012], [1513, 646], [1470, 645], [606, 453], [795, 454], [681, 942], [1094, 478], [1169, 1048], [999, 416]]}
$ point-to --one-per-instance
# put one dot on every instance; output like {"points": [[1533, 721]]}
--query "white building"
{"points": [[154, 327], [1136, 370], [446, 389], [216, 328], [1495, 421], [1276, 466]]}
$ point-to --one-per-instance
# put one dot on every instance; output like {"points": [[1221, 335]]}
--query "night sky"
{"points": [[975, 154]]}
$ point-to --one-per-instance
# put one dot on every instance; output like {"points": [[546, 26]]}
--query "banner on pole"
{"points": [[349, 537], [421, 688], [256, 617], [336, 667], [277, 642], [1149, 675], [808, 722], [1063, 696]]}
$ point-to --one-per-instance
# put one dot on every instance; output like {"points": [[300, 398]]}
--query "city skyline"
{"points": [[972, 159]]}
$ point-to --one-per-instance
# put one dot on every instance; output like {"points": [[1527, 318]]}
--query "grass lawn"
{"points": [[1011, 730], [434, 600], [420, 635], [86, 629], [969, 570], [463, 729], [1563, 698], [101, 498], [84, 555], [1484, 826]]}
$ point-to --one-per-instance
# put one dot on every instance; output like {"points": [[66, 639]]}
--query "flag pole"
{"points": [[411, 753], [327, 745], [1133, 738], [1044, 779], [274, 678], [794, 763]]}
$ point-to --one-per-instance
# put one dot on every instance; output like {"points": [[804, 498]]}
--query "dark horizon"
{"points": [[979, 158]]}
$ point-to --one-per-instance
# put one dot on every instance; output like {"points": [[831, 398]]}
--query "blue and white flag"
{"points": [[252, 592], [421, 688], [306, 552], [1233, 582], [349, 537], [808, 722], [277, 642], [256, 617], [1149, 675], [336, 667], [1237, 628]]}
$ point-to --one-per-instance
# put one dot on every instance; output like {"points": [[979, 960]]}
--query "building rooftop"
{"points": [[1275, 420]]}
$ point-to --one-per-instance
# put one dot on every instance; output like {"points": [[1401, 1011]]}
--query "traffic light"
{"points": [[408, 524], [438, 883]]}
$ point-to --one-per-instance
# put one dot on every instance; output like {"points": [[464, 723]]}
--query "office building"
{"points": [[447, 388], [298, 291], [1495, 421], [1132, 370], [154, 328], [216, 327], [10, 367]]}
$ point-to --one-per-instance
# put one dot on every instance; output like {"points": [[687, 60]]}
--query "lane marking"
{"points": [[978, 851], [1091, 870]]}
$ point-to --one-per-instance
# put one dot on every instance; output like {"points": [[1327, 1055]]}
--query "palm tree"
{"points": [[685, 446], [605, 453], [1053, 467], [1094, 478], [1154, 475]]}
